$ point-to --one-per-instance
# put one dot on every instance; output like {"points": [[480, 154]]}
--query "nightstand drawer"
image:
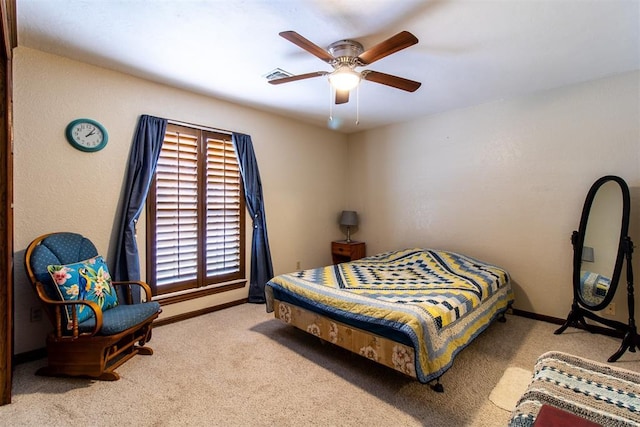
{"points": [[343, 251], [340, 249]]}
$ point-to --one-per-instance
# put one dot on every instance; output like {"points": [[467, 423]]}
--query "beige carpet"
{"points": [[511, 386], [242, 367]]}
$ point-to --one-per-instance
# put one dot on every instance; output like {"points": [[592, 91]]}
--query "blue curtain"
{"points": [[261, 266], [143, 159]]}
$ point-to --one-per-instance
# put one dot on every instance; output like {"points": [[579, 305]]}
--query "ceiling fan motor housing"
{"points": [[346, 52]]}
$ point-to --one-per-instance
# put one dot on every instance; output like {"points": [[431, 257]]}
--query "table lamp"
{"points": [[349, 219]]}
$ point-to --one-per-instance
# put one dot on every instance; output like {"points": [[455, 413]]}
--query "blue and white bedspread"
{"points": [[435, 301]]}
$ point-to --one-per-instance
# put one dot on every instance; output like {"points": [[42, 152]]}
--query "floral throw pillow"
{"points": [[84, 280]]}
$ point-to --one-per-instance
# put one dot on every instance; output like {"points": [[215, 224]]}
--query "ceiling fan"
{"points": [[345, 55]]}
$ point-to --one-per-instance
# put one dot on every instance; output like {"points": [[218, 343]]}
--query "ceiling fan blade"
{"points": [[393, 44], [305, 44], [389, 80], [342, 96], [298, 77]]}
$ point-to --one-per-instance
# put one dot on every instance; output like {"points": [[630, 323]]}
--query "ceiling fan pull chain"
{"points": [[330, 103], [357, 105]]}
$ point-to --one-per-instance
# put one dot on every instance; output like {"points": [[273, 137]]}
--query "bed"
{"points": [[412, 310]]}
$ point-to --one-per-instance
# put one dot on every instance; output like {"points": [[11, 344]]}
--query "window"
{"points": [[195, 212]]}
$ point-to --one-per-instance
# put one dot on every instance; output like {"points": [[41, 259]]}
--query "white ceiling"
{"points": [[470, 51]]}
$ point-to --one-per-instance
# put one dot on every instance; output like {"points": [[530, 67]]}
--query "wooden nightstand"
{"points": [[343, 251]]}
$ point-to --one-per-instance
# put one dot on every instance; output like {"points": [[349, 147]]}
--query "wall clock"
{"points": [[87, 135]]}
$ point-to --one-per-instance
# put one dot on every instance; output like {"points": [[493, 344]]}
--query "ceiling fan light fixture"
{"points": [[344, 78]]}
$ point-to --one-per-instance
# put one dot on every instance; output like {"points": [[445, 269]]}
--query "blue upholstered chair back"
{"points": [[59, 248]]}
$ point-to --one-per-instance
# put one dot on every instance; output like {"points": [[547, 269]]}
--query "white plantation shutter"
{"points": [[223, 207], [196, 211], [177, 209]]}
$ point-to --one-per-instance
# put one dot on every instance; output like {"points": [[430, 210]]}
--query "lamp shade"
{"points": [[349, 218]]}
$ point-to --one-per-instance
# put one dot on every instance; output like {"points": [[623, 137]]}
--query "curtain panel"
{"points": [[143, 159], [261, 265]]}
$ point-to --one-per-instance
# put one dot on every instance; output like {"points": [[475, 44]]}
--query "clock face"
{"points": [[86, 135]]}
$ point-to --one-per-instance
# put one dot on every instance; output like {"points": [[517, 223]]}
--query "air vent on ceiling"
{"points": [[278, 73]]}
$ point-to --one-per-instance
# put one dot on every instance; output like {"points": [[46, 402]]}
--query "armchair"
{"points": [[94, 331]]}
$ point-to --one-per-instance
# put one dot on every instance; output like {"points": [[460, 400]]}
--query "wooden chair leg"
{"points": [[147, 351], [109, 376]]}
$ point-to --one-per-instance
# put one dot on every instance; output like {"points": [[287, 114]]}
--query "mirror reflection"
{"points": [[601, 244]]}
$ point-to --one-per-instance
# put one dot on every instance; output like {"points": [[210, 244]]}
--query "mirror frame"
{"points": [[578, 242]]}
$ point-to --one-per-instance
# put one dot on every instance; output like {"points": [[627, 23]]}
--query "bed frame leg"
{"points": [[437, 387], [503, 316]]}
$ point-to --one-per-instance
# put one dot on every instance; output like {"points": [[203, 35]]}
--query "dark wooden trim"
{"points": [[199, 293], [189, 315], [30, 356], [41, 353], [9, 27], [535, 316], [9, 41], [557, 321]]}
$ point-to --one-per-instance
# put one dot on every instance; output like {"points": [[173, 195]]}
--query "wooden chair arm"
{"points": [[58, 316], [125, 285]]}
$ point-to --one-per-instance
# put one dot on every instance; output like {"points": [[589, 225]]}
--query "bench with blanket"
{"points": [[593, 391]]}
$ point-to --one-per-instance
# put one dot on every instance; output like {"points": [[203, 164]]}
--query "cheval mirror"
{"points": [[600, 246]]}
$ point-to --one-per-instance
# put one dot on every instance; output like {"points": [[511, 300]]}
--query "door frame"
{"points": [[8, 40]]}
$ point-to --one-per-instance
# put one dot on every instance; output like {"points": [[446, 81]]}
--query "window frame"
{"points": [[202, 282]]}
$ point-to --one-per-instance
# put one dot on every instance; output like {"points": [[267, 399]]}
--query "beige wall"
{"points": [[504, 182], [59, 188]]}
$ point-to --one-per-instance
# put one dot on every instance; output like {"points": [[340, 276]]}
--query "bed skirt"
{"points": [[389, 353]]}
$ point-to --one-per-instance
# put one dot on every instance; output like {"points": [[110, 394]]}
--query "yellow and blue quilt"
{"points": [[435, 301]]}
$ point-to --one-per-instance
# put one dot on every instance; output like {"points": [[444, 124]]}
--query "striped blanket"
{"points": [[595, 391], [435, 301]]}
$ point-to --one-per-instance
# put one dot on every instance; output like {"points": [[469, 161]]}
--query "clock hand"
{"points": [[91, 133]]}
